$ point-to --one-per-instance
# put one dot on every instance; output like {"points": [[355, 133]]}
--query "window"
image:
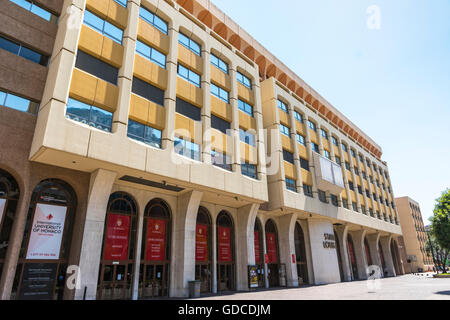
{"points": [[334, 140], [219, 93], [360, 190], [187, 149], [363, 209], [301, 139], [153, 19], [345, 203], [374, 196], [315, 147], [219, 63], [323, 196], [190, 44], [220, 124], [356, 171], [327, 154], [151, 54], [338, 160], [143, 133], [304, 164], [334, 200], [189, 75], [298, 116], [347, 165], [282, 106], [244, 80], [367, 193], [15, 102], [245, 107], [221, 160], [34, 8], [364, 175], [90, 115], [288, 156], [122, 2], [344, 147], [96, 67], [23, 52], [147, 91], [312, 126], [355, 207], [248, 170], [247, 137], [324, 134], [361, 158], [307, 190], [104, 27], [352, 152], [188, 110], [291, 185], [350, 186], [285, 130]]}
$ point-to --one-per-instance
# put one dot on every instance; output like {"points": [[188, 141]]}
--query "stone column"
{"points": [[360, 253], [366, 169], [99, 191], [245, 243], [287, 247], [341, 232], [311, 160], [385, 242], [373, 240], [206, 109], [183, 255], [298, 171], [235, 120], [366, 204], [137, 252], [344, 175], [214, 253], [260, 144]]}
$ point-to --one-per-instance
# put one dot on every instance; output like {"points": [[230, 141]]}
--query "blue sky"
{"points": [[393, 83]]}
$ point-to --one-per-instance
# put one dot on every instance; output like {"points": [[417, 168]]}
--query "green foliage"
{"points": [[441, 220]]}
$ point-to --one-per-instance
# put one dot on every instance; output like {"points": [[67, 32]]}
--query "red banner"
{"points": [[201, 243], [117, 233], [156, 240], [351, 252], [257, 248], [271, 240], [224, 244]]}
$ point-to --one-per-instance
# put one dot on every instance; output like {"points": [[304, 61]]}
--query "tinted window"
{"points": [[282, 106], [244, 80], [32, 7], [90, 115], [189, 43], [245, 107], [304, 164], [247, 137], [15, 102], [148, 91], [219, 124], [189, 75], [151, 54], [219, 93], [103, 27], [153, 19], [143, 133], [188, 110], [96, 67], [23, 52], [288, 156], [219, 63]]}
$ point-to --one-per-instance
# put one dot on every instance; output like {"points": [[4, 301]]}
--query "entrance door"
{"points": [[259, 253], [155, 261], [300, 255], [273, 264], [352, 257], [116, 266], [225, 253], [203, 250]]}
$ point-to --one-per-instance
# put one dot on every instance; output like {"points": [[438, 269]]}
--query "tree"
{"points": [[440, 227]]}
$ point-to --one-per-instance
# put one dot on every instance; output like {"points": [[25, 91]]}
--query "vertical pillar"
{"points": [[214, 254], [373, 240], [183, 255], [344, 175], [361, 261], [137, 253], [311, 160], [257, 114], [298, 171], [385, 242], [99, 191], [235, 120], [287, 247], [206, 108], [341, 232], [245, 243]]}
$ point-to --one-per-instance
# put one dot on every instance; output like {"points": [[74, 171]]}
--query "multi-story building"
{"points": [[146, 144], [414, 235]]}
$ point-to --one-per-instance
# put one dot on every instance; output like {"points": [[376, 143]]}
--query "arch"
{"points": [[272, 249], [225, 252], [300, 254], [222, 30], [259, 251], [236, 41], [206, 17], [203, 252]]}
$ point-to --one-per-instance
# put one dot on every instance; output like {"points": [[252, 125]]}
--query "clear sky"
{"points": [[392, 82]]}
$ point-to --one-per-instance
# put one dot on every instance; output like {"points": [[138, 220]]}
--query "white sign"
{"points": [[46, 232], [2, 208]]}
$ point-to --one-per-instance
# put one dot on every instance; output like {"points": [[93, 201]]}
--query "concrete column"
{"points": [[360, 252], [319, 135], [214, 253], [99, 191], [137, 253], [355, 185], [235, 120], [260, 143], [245, 243], [366, 169], [385, 242], [287, 247], [15, 242], [264, 245], [206, 109], [298, 172], [344, 175], [373, 240], [311, 161], [183, 256], [341, 232], [366, 204], [170, 96]]}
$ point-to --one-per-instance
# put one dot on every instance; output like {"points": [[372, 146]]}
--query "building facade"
{"points": [[414, 235], [150, 143]]}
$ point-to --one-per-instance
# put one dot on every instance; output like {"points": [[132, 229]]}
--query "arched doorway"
{"points": [[395, 257], [116, 265], [300, 255], [203, 250], [9, 196], [352, 257], [225, 252], [339, 256], [46, 242], [155, 250], [259, 252], [367, 251], [273, 264]]}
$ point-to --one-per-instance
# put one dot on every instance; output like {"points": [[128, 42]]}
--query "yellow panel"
{"points": [[370, 203], [83, 86], [153, 37], [90, 41], [156, 116], [190, 59], [349, 176], [221, 109], [376, 206], [361, 199], [354, 162], [313, 136], [306, 177], [138, 109], [284, 118], [196, 95], [289, 170], [366, 186], [326, 144], [302, 151], [336, 150], [99, 7], [118, 14], [358, 181], [106, 95], [299, 127], [220, 78], [184, 124], [150, 72], [353, 195], [112, 52], [246, 122], [248, 153], [346, 156], [246, 94], [286, 143], [344, 194], [218, 141]]}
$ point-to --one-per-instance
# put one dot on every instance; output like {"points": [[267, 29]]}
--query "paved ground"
{"points": [[407, 287]]}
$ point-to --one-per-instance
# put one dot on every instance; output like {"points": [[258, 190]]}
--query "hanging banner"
{"points": [[46, 232], [117, 234], [2, 209], [225, 244], [156, 240], [201, 243], [272, 247], [257, 248]]}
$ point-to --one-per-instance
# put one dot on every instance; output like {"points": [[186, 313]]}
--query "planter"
{"points": [[445, 276]]}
